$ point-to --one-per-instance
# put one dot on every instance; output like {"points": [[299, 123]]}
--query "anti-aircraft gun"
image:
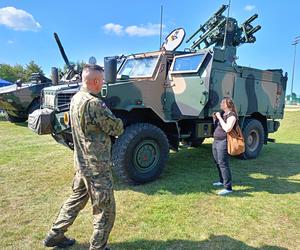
{"points": [[224, 31], [72, 74], [167, 97]]}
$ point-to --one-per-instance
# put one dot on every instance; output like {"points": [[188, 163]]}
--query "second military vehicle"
{"points": [[168, 96]]}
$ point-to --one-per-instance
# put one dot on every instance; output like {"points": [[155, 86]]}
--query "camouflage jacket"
{"points": [[92, 125]]}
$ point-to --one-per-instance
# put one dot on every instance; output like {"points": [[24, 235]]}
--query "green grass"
{"points": [[179, 211]]}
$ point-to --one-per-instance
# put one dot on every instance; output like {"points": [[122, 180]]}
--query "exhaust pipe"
{"points": [[54, 75]]}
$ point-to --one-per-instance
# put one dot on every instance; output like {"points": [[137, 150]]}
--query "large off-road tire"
{"points": [[139, 155], [14, 119], [254, 136]]}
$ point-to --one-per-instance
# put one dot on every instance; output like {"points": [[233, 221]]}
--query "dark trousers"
{"points": [[219, 149]]}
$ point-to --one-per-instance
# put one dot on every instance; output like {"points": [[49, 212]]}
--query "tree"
{"points": [[13, 73], [30, 68]]}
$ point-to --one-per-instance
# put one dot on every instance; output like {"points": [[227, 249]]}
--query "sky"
{"points": [[107, 28]]}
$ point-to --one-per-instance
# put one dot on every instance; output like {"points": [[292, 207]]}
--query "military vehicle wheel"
{"points": [[197, 142], [139, 155], [254, 134], [14, 119]]}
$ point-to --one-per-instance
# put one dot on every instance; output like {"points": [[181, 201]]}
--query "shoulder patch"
{"points": [[103, 105]]}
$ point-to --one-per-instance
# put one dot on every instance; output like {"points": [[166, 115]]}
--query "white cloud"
{"points": [[133, 30], [249, 7], [143, 30], [113, 28], [18, 19], [10, 41]]}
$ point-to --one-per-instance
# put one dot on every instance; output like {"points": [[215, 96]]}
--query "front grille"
{"points": [[64, 100]]}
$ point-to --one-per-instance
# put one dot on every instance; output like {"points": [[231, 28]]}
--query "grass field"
{"points": [[179, 211]]}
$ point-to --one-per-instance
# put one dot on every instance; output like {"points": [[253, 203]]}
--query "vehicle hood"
{"points": [[62, 88]]}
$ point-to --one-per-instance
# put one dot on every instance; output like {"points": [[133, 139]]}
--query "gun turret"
{"points": [[72, 71], [213, 31]]}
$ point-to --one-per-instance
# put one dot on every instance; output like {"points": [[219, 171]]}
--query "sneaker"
{"points": [[224, 192], [61, 242], [217, 184]]}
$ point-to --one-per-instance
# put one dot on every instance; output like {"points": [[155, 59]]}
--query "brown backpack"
{"points": [[235, 141]]}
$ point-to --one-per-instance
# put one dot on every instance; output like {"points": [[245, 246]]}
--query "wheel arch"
{"points": [[148, 115]]}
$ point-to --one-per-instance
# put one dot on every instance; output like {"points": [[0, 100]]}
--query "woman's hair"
{"points": [[230, 104]]}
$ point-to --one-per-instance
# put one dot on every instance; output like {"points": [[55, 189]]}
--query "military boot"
{"points": [[54, 239]]}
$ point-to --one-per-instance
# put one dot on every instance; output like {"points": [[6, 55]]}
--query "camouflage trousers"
{"points": [[99, 189]]}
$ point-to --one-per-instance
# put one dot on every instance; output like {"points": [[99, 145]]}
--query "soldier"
{"points": [[92, 125]]}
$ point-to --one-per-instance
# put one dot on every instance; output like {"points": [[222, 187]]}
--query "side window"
{"points": [[190, 63]]}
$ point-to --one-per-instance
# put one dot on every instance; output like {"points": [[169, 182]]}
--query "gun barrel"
{"points": [[221, 10], [255, 29], [250, 19], [194, 34], [61, 49], [217, 13]]}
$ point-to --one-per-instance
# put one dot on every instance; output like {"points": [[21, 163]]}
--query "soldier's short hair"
{"points": [[94, 67]]}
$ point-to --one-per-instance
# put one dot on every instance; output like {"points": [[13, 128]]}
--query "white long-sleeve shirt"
{"points": [[229, 124]]}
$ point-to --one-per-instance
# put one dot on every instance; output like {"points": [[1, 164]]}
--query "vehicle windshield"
{"points": [[138, 67]]}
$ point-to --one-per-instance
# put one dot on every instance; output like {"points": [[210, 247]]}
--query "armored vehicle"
{"points": [[167, 97], [20, 99]]}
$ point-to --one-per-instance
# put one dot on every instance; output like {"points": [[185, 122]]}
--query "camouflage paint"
{"points": [[175, 97], [17, 100]]}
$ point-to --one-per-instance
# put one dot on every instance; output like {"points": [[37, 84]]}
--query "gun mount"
{"points": [[72, 72], [213, 31]]}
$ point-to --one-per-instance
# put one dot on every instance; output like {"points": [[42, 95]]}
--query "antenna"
{"points": [[161, 20], [226, 25]]}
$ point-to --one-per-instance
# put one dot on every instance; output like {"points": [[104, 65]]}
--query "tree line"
{"points": [[12, 73]]}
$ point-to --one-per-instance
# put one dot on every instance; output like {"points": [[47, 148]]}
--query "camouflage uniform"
{"points": [[92, 125]]}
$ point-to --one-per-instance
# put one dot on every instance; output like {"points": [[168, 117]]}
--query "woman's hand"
{"points": [[218, 115]]}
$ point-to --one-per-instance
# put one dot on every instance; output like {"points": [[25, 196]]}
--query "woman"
{"points": [[224, 122]]}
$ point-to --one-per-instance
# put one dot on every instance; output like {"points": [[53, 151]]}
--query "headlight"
{"points": [[49, 100]]}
